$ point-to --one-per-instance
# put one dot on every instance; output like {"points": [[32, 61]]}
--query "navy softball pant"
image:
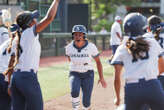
{"points": [[26, 92], [84, 81], [5, 101], [114, 48], [144, 92], [161, 78]]}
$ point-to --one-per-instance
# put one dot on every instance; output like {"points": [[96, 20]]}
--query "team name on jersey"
{"points": [[79, 55]]}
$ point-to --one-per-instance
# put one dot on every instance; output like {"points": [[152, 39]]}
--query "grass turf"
{"points": [[54, 79]]}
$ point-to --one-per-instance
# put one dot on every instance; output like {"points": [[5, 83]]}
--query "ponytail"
{"points": [[18, 49], [12, 36], [16, 29], [137, 48]]}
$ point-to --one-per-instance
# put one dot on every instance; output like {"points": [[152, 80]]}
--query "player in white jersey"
{"points": [[80, 53], [141, 58], [7, 56], [5, 21], [155, 26], [25, 89]]}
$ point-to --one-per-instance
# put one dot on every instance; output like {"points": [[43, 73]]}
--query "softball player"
{"points": [[5, 21], [137, 55], [155, 26], [25, 88], [80, 53], [7, 56]]}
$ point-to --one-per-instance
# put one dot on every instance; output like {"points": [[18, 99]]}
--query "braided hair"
{"points": [[15, 29]]}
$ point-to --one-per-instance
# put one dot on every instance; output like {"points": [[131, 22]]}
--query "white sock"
{"points": [[75, 103]]}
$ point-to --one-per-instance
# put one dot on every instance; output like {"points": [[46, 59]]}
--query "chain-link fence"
{"points": [[53, 43]]}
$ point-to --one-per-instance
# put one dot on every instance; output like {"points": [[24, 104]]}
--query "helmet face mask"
{"points": [[134, 24], [78, 36]]}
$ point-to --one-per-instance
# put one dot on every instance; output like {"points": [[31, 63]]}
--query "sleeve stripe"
{"points": [[96, 55], [4, 33], [117, 62], [161, 54]]}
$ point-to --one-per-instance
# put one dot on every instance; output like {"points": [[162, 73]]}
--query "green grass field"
{"points": [[54, 79]]}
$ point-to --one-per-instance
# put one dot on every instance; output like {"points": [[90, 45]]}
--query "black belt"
{"points": [[89, 73]]}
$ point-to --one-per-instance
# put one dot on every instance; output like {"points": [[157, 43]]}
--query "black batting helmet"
{"points": [[134, 24]]}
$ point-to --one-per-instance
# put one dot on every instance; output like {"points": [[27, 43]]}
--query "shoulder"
{"points": [[30, 32], [70, 45], [148, 35], [3, 30], [6, 43], [91, 45], [161, 35]]}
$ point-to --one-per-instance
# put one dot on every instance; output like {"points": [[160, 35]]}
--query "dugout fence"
{"points": [[53, 43]]}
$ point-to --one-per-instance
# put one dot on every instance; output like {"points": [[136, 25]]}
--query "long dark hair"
{"points": [[19, 50], [137, 47]]}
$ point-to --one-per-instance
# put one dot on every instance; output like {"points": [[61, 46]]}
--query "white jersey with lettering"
{"points": [[4, 34], [147, 67], [81, 58]]}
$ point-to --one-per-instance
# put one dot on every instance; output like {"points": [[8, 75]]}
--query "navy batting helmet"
{"points": [[79, 28], [134, 24]]}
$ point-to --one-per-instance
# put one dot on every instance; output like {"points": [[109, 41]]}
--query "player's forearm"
{"points": [[49, 17], [53, 9], [161, 65], [100, 70]]}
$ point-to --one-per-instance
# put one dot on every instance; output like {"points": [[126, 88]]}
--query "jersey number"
{"points": [[144, 57]]}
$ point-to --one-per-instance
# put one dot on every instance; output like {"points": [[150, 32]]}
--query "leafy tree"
{"points": [[100, 9]]}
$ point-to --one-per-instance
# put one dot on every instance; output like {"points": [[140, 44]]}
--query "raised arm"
{"points": [[49, 17]]}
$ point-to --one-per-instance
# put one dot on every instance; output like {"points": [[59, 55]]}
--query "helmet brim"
{"points": [[35, 14]]}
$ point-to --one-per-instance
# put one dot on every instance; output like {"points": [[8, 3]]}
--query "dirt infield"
{"points": [[102, 99]]}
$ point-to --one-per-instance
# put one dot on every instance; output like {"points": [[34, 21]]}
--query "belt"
{"points": [[82, 75], [26, 70], [138, 80]]}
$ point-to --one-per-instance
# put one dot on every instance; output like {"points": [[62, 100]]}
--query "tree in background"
{"points": [[101, 9]]}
